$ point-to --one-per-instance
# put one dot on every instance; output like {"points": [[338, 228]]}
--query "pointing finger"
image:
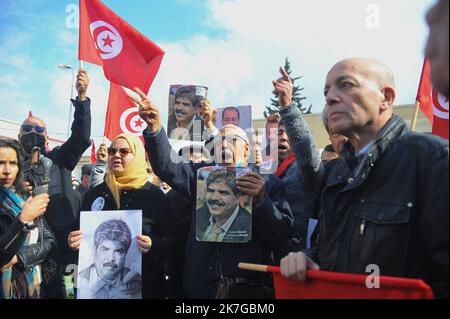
{"points": [[285, 75]]}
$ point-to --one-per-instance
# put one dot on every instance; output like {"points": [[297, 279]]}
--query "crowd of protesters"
{"points": [[379, 192]]}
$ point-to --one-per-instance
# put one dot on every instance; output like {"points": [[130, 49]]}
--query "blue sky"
{"points": [[232, 46]]}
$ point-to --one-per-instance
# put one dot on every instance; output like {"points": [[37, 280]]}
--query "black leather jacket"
{"points": [[393, 214], [12, 237]]}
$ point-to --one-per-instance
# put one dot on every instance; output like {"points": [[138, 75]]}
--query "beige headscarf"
{"points": [[134, 176]]}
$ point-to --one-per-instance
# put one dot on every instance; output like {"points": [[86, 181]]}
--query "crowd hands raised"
{"points": [[379, 193]]}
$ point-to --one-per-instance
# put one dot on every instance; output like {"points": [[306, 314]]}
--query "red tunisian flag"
{"points": [[122, 115], [330, 285], [433, 104], [127, 57]]}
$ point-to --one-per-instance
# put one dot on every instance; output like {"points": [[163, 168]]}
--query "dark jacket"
{"points": [[62, 209], [393, 214], [157, 221], [242, 222], [13, 236], [207, 262]]}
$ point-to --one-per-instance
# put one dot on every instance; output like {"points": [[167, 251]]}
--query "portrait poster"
{"points": [[110, 263], [240, 116], [184, 115], [223, 213]]}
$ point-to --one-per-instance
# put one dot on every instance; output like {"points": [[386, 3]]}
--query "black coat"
{"points": [[394, 214], [62, 210], [157, 221], [12, 237]]}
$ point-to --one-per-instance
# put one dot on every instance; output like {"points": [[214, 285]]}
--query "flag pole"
{"points": [[415, 115], [259, 268], [81, 64]]}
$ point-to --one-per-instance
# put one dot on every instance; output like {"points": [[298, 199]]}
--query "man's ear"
{"points": [[389, 98]]}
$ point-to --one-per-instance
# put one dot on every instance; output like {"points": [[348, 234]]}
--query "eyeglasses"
{"points": [[28, 128], [124, 151]]}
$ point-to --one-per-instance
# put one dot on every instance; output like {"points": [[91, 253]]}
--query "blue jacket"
{"points": [[205, 262]]}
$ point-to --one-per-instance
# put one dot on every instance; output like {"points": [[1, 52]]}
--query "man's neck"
{"points": [[359, 139], [106, 280], [185, 124], [222, 219]]}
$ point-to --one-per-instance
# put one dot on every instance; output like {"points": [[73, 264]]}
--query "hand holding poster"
{"points": [[223, 213], [110, 263]]}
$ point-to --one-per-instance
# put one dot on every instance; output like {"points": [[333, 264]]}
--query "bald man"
{"points": [[437, 49], [385, 200], [62, 209]]}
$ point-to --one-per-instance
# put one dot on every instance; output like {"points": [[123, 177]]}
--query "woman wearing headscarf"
{"points": [[25, 238], [126, 187]]}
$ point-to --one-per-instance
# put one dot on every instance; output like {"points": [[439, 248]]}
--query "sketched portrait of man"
{"points": [[108, 277], [222, 218]]}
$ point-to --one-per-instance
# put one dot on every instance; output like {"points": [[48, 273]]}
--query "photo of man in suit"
{"points": [[222, 218]]}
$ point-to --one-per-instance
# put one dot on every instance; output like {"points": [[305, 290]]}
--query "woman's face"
{"points": [[9, 166], [120, 155]]}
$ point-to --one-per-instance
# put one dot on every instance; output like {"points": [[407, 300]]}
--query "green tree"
{"points": [[297, 97]]}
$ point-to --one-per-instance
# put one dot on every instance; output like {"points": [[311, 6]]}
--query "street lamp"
{"points": [[69, 67]]}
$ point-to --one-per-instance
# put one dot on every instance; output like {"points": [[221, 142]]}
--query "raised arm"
{"points": [[80, 139], [165, 162], [300, 137]]}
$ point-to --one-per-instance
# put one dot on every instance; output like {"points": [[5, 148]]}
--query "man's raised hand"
{"points": [[82, 84], [147, 111], [284, 88]]}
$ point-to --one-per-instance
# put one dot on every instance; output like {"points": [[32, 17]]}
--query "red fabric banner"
{"points": [[331, 285], [433, 104], [128, 58]]}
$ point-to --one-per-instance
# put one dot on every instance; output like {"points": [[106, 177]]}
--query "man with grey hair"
{"points": [[107, 277], [384, 202]]}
